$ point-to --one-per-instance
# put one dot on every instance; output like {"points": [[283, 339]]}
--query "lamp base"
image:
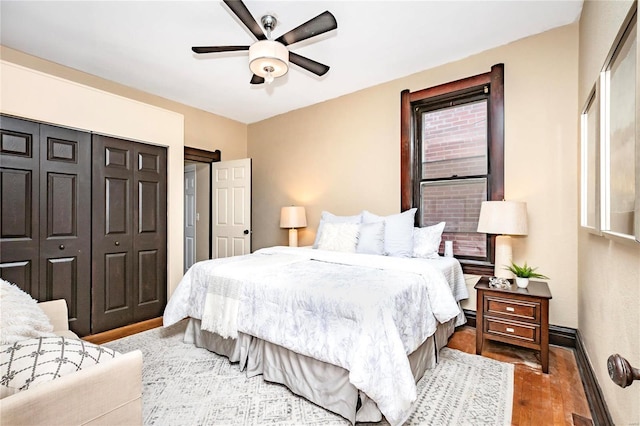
{"points": [[293, 237], [503, 257]]}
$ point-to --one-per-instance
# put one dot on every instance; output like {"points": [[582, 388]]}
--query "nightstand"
{"points": [[519, 316]]}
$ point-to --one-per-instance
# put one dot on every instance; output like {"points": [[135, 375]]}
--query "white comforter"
{"points": [[364, 313]]}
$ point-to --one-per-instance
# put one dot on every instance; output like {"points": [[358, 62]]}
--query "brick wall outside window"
{"points": [[455, 145]]}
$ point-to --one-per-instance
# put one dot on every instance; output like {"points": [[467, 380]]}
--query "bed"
{"points": [[351, 332]]}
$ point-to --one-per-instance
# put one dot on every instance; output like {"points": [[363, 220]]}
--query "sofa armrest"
{"points": [[106, 394], [57, 312]]}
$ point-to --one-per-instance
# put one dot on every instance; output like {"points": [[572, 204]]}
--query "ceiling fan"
{"points": [[269, 59]]}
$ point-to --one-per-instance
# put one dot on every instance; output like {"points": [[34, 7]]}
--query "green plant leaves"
{"points": [[525, 271]]}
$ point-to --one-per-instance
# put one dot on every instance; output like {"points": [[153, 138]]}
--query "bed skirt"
{"points": [[324, 384]]}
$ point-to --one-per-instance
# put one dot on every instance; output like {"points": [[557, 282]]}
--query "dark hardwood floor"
{"points": [[539, 399]]}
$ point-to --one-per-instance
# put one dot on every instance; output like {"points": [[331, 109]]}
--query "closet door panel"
{"points": [[116, 293], [65, 223], [112, 249], [150, 240], [19, 203]]}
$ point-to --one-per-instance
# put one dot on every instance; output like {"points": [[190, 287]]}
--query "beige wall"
{"points": [[608, 270], [202, 129], [343, 155], [42, 97], [41, 90]]}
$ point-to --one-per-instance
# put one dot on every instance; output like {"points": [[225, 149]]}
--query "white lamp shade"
{"points": [[503, 218], [267, 54], [293, 217]]}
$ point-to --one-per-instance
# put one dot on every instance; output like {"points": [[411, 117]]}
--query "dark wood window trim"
{"points": [[408, 145]]}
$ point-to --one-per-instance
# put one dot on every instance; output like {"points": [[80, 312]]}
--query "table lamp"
{"points": [[293, 217], [503, 218]]}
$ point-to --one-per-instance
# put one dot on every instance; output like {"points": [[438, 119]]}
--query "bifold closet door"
{"points": [[45, 230], [65, 224], [20, 204], [129, 232]]}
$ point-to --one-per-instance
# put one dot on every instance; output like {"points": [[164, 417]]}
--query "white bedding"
{"points": [[364, 313]]}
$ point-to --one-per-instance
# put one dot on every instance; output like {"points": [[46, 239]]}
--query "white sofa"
{"points": [[109, 393]]}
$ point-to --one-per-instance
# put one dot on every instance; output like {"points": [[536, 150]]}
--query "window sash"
{"points": [[459, 206], [438, 133]]}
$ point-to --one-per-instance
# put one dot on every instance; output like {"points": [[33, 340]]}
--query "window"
{"points": [[453, 156], [590, 131], [610, 167], [618, 167]]}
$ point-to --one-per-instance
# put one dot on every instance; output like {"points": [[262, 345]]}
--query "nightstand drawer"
{"points": [[521, 331], [520, 309]]}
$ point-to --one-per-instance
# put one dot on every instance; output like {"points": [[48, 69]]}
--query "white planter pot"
{"points": [[522, 282]]}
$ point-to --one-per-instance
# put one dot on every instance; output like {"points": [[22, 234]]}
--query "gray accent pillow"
{"points": [[398, 231], [371, 239]]}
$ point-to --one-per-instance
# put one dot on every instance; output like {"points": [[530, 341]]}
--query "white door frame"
{"points": [[190, 192]]}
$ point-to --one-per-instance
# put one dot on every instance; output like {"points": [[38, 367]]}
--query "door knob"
{"points": [[117, 243], [61, 246], [621, 372], [246, 231]]}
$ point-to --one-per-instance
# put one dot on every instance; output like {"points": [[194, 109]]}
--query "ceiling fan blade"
{"points": [[257, 79], [218, 49], [316, 26], [308, 64], [245, 16]]}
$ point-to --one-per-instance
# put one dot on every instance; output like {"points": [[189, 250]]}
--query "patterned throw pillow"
{"points": [[327, 217], [426, 240], [20, 315], [339, 237], [30, 362]]}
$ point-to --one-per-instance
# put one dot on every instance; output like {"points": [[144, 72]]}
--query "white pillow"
{"points": [[57, 356], [371, 239], [398, 231], [339, 237], [327, 217], [20, 316], [426, 240]]}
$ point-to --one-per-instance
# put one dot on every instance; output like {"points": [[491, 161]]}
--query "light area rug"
{"points": [[185, 385]]}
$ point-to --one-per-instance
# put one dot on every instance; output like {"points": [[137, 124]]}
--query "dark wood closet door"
{"points": [[65, 222], [150, 232], [112, 248], [129, 232], [19, 203]]}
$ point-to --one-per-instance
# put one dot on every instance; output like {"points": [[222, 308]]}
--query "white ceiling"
{"points": [[147, 44]]}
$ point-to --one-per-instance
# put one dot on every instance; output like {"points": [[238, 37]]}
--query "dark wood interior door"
{"points": [[20, 204], [65, 223], [129, 232]]}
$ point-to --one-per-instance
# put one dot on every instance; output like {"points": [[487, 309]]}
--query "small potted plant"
{"points": [[523, 273]]}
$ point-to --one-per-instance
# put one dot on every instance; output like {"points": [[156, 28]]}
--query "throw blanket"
{"points": [[361, 312], [220, 314]]}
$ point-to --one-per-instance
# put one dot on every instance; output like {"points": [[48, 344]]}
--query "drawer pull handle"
{"points": [[510, 330], [510, 309]]}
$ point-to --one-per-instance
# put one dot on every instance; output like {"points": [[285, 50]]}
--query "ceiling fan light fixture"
{"points": [[268, 59]]}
